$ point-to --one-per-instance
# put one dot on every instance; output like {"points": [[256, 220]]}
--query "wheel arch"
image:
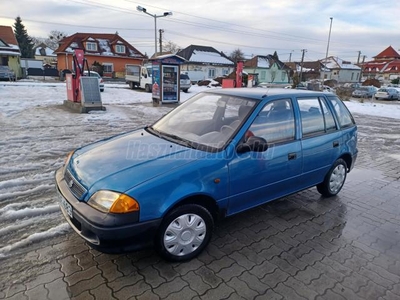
{"points": [[348, 159], [203, 200]]}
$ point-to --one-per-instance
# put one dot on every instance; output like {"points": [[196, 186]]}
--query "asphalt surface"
{"points": [[299, 247]]}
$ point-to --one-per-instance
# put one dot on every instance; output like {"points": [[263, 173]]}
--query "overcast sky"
{"points": [[256, 27]]}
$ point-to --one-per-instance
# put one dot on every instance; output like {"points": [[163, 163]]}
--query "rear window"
{"points": [[184, 76]]}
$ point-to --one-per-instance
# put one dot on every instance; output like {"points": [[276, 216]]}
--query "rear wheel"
{"points": [[334, 180], [185, 90], [184, 232]]}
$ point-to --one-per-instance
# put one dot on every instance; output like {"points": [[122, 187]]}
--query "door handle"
{"points": [[335, 144], [292, 156]]}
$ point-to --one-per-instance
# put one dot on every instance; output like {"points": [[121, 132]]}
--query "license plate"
{"points": [[66, 206]]}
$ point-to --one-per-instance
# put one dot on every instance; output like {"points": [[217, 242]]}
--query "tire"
{"points": [[185, 90], [184, 233], [102, 90], [131, 85], [147, 88], [334, 180]]}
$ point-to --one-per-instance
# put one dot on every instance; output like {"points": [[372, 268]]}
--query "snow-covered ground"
{"points": [[36, 133]]}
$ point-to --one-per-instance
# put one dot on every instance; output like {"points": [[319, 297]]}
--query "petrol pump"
{"points": [[83, 92]]}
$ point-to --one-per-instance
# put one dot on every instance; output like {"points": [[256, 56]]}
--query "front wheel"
{"points": [[334, 180], [184, 233], [147, 88]]}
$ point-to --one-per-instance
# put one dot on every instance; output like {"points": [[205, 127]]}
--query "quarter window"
{"points": [[344, 117], [275, 123]]}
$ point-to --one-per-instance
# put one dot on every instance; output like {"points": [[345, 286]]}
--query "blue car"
{"points": [[219, 153]]}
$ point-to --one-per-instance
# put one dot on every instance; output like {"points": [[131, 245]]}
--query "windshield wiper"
{"points": [[180, 140]]}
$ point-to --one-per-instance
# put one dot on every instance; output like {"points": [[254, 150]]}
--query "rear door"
{"points": [[321, 139]]}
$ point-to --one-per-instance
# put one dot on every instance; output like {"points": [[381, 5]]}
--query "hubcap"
{"points": [[337, 178], [185, 234]]}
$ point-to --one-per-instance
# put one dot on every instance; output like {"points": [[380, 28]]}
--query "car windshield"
{"points": [[184, 76], [206, 122]]}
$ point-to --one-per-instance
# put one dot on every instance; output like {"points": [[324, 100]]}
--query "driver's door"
{"points": [[258, 177]]}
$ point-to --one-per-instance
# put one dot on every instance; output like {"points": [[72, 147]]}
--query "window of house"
{"points": [[90, 46], [263, 75], [352, 75], [120, 48], [108, 67], [283, 77], [358, 74], [211, 73], [334, 73]]}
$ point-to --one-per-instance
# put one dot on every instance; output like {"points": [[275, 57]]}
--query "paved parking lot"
{"points": [[299, 247]]}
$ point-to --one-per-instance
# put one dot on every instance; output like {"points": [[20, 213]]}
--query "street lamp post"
{"points": [[327, 47], [142, 9]]}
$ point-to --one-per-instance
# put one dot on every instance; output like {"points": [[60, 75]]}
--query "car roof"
{"points": [[261, 93]]}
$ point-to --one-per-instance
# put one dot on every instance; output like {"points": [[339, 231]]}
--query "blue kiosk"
{"points": [[166, 78]]}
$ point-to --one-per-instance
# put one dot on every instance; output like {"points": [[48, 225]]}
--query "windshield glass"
{"points": [[206, 121]]}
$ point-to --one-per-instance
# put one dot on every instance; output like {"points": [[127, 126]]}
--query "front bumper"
{"points": [[105, 231]]}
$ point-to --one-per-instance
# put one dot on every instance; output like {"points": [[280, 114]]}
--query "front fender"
{"points": [[203, 177]]}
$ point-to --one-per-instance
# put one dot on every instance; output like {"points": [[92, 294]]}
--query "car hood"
{"points": [[124, 161]]}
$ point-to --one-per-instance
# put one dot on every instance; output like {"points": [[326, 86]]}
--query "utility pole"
{"points": [[161, 31], [301, 64], [290, 56], [358, 59], [362, 67]]}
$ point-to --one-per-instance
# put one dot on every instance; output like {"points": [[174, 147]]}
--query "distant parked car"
{"points": [[387, 94], [95, 74], [185, 82], [6, 73], [328, 89], [365, 92]]}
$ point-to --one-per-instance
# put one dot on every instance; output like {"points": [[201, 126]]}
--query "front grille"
{"points": [[74, 186]]}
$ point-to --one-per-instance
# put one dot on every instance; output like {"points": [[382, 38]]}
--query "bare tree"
{"points": [[170, 47], [237, 55], [54, 38]]}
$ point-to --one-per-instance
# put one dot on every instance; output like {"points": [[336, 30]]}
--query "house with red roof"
{"points": [[385, 66], [9, 50], [110, 50]]}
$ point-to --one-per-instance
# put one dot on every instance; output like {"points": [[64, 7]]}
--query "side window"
{"points": [[275, 123], [312, 119], [342, 113], [329, 120]]}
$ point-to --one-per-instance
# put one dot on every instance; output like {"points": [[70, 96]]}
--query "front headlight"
{"points": [[113, 202]]}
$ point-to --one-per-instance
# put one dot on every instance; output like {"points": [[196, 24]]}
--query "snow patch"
{"points": [[36, 237]]}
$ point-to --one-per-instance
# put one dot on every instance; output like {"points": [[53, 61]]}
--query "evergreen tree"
{"points": [[24, 41]]}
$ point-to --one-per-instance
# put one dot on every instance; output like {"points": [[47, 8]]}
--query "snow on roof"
{"points": [[208, 57], [5, 52], [47, 51], [337, 63], [105, 47], [263, 62]]}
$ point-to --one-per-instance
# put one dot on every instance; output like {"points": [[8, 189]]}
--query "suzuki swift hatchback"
{"points": [[220, 153]]}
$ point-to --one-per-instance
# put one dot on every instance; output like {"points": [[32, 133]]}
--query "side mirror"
{"points": [[145, 75], [253, 143]]}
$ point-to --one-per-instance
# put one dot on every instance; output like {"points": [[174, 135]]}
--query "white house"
{"points": [[205, 63], [334, 68]]}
